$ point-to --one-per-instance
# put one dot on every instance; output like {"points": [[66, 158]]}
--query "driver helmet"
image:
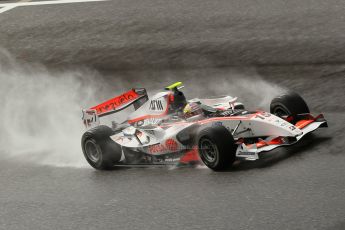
{"points": [[192, 109]]}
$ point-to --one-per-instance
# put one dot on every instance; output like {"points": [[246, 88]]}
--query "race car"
{"points": [[169, 129]]}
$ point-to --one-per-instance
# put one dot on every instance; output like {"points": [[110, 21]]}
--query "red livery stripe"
{"points": [[116, 102]]}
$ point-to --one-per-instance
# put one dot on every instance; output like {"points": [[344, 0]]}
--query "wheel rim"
{"points": [[92, 151], [281, 112], [209, 150]]}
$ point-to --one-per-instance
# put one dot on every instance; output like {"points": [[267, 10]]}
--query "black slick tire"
{"points": [[289, 104], [99, 150], [217, 148]]}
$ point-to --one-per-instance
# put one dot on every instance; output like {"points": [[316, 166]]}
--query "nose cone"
{"points": [[271, 125]]}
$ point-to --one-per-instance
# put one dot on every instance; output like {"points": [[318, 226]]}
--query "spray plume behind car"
{"points": [[40, 120]]}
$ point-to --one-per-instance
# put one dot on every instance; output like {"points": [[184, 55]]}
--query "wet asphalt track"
{"points": [[298, 46]]}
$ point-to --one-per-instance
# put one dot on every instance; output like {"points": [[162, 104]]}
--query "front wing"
{"points": [[251, 151]]}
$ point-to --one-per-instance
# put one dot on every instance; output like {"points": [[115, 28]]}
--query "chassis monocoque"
{"points": [[158, 132]]}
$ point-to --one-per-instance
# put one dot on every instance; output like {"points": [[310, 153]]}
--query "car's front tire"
{"points": [[289, 104], [99, 150], [217, 148]]}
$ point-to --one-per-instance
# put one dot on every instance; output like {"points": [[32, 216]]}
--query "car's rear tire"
{"points": [[216, 147], [99, 150], [289, 104]]}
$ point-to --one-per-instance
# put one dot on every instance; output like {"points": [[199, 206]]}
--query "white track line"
{"points": [[6, 8], [46, 3], [10, 6]]}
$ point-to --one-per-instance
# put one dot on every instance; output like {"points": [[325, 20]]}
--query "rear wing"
{"points": [[136, 97]]}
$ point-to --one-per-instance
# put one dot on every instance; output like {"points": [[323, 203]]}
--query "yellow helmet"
{"points": [[192, 109], [187, 109]]}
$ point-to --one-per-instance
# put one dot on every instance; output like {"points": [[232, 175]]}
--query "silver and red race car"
{"points": [[168, 129]]}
